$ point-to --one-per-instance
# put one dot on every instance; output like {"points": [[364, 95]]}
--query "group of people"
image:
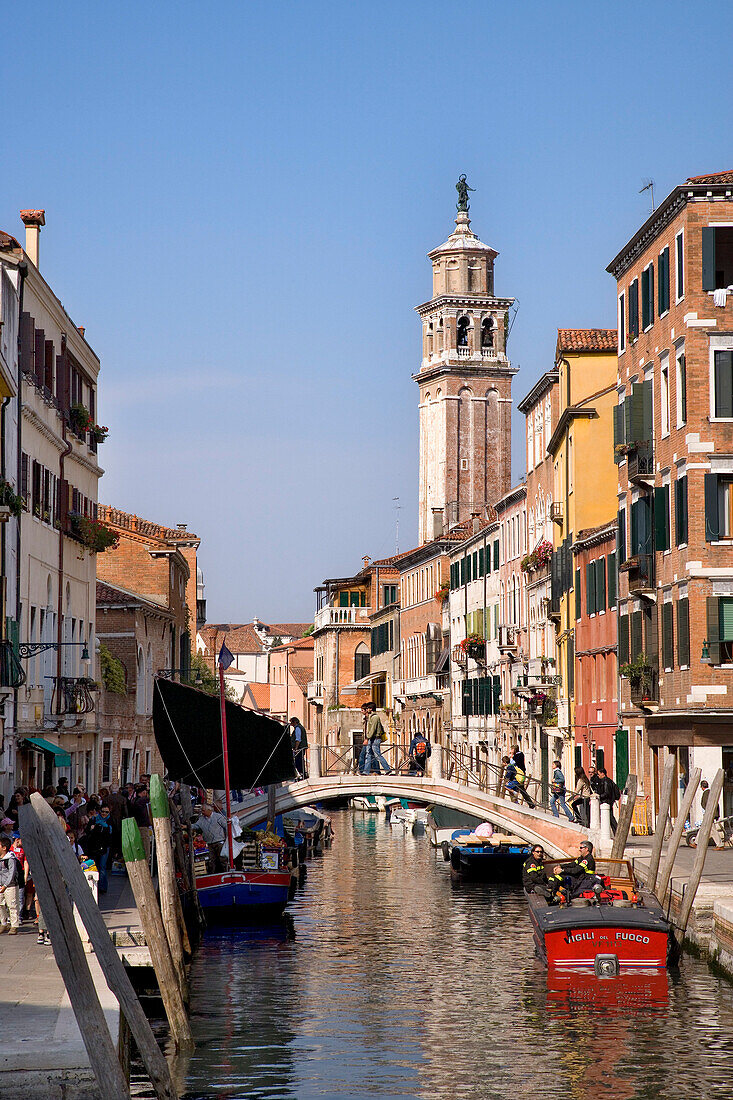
{"points": [[93, 825], [598, 782], [372, 760], [560, 884]]}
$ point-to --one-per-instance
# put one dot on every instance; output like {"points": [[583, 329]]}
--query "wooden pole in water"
{"points": [[187, 815], [625, 817], [702, 850], [114, 969], [167, 885], [160, 952], [674, 840], [664, 800], [70, 959]]}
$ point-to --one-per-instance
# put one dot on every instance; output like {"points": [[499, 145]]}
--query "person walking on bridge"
{"points": [[557, 793], [374, 732]]}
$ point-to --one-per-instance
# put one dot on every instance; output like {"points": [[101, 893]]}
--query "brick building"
{"points": [[465, 382], [597, 738], [136, 632], [674, 446]]}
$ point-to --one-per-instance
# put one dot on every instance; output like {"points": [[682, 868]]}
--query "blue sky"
{"points": [[239, 201]]}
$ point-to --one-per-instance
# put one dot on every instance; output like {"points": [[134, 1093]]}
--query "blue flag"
{"points": [[225, 657]]}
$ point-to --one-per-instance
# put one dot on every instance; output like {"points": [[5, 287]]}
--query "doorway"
{"points": [[621, 738]]}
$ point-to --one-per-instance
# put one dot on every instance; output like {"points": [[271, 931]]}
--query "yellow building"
{"points": [[585, 488]]}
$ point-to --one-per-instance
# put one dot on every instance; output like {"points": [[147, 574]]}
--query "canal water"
{"points": [[391, 982]]}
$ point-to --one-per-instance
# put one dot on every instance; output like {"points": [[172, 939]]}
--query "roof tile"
{"points": [[587, 339], [716, 177]]}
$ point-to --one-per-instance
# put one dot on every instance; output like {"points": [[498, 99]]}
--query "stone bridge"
{"points": [[558, 836]]}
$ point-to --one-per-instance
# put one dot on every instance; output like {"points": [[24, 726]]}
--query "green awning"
{"points": [[61, 758]]}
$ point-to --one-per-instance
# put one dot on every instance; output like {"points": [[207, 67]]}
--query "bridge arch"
{"points": [[558, 836]]}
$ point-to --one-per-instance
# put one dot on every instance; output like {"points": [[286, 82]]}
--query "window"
{"points": [[663, 281], [612, 580], [679, 266], [680, 510], [621, 537], [634, 309], [723, 384], [389, 594], [717, 257], [667, 635], [725, 507], [496, 554], [487, 333], [106, 762], [621, 323], [462, 332], [683, 632], [718, 506], [681, 387], [570, 464], [664, 394], [647, 297], [661, 517], [720, 629], [361, 662]]}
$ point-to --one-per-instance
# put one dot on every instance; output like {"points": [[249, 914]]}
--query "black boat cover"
{"points": [[187, 727]]}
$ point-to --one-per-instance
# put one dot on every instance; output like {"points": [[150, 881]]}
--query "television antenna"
{"points": [[648, 186], [397, 507]]}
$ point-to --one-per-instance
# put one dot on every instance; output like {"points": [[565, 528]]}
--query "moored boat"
{"points": [[496, 858], [623, 928]]}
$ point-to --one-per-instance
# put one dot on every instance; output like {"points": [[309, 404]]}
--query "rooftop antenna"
{"points": [[648, 186], [397, 524]]}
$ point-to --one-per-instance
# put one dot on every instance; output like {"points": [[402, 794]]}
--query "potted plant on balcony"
{"points": [[99, 432], [92, 533], [80, 419], [639, 674], [441, 592], [11, 503], [473, 646]]}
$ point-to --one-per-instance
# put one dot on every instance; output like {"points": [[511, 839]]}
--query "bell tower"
{"points": [[465, 382]]}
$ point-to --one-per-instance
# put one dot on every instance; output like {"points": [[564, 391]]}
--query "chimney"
{"points": [[32, 220], [366, 559], [475, 522], [182, 526], [437, 522]]}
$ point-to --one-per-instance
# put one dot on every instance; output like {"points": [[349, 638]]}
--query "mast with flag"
{"points": [[226, 658]]}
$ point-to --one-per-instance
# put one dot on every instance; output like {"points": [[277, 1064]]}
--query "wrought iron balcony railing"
{"points": [[72, 695], [11, 670]]}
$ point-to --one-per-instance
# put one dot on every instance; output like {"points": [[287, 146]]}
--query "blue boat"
{"points": [[237, 897], [486, 859]]}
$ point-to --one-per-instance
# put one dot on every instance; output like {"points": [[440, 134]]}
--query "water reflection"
{"points": [[399, 984]]}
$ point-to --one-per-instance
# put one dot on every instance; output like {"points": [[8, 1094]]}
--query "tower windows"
{"points": [[487, 333], [462, 332]]}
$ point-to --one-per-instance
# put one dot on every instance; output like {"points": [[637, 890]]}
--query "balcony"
{"points": [[556, 512], [341, 616], [508, 638], [645, 690], [72, 695], [314, 692], [640, 465], [420, 685], [459, 656], [640, 571], [464, 353]]}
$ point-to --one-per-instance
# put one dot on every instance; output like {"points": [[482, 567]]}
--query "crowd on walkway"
{"points": [[93, 825]]}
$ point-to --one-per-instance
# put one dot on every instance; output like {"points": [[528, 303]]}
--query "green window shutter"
{"points": [[725, 607], [571, 666], [482, 695], [650, 644], [465, 698], [481, 562], [476, 573], [354, 599], [496, 694], [612, 580], [647, 297], [634, 309], [713, 613], [463, 570], [663, 281], [680, 510], [590, 589], [637, 644], [708, 259], [683, 632], [667, 636], [636, 427], [601, 584], [452, 575], [343, 599], [712, 526], [680, 267], [618, 430], [623, 639], [621, 538], [724, 383], [578, 602], [647, 406], [661, 517], [496, 555]]}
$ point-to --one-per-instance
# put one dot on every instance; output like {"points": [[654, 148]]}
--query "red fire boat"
{"points": [[623, 928]]}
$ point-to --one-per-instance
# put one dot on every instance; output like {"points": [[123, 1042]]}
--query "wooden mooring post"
{"points": [[664, 800], [167, 885], [674, 841], [58, 848], [150, 918], [70, 958], [625, 817], [702, 850]]}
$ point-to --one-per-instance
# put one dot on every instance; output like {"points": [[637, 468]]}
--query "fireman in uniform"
{"points": [[536, 880], [582, 872]]}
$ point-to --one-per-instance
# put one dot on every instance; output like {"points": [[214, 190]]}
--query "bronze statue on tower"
{"points": [[462, 188]]}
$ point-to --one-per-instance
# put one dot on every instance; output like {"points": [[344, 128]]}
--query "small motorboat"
{"points": [[441, 822], [495, 858], [407, 817], [374, 803], [621, 928]]}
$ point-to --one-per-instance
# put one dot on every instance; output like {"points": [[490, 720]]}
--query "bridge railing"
{"points": [[346, 761]]}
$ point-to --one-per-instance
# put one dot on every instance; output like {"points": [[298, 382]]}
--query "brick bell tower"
{"points": [[465, 382]]}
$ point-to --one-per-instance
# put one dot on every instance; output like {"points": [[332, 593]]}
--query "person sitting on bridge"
{"points": [[419, 752], [582, 872], [536, 880], [514, 781]]}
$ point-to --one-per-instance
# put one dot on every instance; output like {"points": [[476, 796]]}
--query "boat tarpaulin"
{"points": [[187, 726]]}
